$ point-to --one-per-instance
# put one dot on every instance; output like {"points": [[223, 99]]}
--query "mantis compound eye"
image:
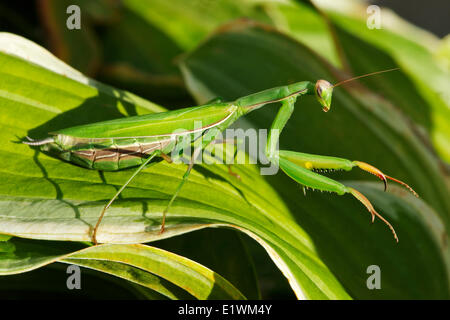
{"points": [[324, 91]]}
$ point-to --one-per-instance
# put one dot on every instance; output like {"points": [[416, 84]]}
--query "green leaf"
{"points": [[24, 255], [153, 268], [303, 23], [348, 243], [148, 68], [50, 282], [45, 198], [4, 237], [135, 275], [199, 281], [245, 57], [221, 250], [187, 22]]}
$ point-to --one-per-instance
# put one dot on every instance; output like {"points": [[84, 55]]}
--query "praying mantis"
{"points": [[135, 141]]}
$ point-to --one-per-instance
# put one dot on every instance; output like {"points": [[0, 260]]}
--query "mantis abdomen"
{"points": [[109, 154]]}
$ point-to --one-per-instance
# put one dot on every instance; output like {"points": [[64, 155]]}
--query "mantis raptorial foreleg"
{"points": [[301, 166], [282, 117], [305, 175], [320, 163]]}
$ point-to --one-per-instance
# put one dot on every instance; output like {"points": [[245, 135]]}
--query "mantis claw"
{"points": [[358, 195], [163, 222], [161, 230], [94, 238], [371, 169], [403, 184]]}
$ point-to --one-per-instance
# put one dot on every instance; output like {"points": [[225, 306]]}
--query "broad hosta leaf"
{"points": [[243, 58], [45, 198], [197, 280], [147, 68], [187, 23], [50, 282], [221, 250], [170, 275], [20, 255], [127, 51], [301, 21]]}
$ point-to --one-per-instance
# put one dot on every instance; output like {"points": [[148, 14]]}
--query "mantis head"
{"points": [[324, 91]]}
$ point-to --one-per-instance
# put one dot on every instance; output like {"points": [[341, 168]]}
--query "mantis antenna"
{"points": [[363, 76]]}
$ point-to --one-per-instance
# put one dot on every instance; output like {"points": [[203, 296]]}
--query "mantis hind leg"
{"points": [[177, 191], [139, 169], [301, 167]]}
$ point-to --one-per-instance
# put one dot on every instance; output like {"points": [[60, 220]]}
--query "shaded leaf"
{"points": [[199, 281]]}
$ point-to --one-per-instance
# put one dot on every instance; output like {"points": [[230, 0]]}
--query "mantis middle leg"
{"points": [[194, 156]]}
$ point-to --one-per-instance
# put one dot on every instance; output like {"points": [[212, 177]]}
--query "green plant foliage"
{"points": [[171, 51]]}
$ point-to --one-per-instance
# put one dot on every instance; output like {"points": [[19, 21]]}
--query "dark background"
{"points": [[433, 15]]}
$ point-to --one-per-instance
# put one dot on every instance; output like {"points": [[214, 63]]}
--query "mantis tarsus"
{"points": [[126, 142]]}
